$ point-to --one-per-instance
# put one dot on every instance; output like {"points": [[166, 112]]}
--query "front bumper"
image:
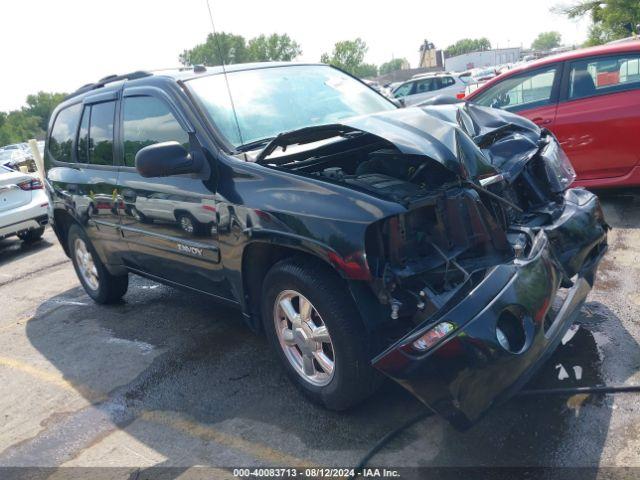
{"points": [[470, 370]]}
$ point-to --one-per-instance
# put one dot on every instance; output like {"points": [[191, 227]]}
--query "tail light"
{"points": [[34, 184], [460, 95]]}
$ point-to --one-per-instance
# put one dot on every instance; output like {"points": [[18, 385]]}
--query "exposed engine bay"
{"points": [[470, 206]]}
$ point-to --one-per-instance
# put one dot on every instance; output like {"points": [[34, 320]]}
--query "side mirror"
{"points": [[165, 159]]}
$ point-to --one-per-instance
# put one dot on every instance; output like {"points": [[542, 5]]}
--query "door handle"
{"points": [[541, 121]]}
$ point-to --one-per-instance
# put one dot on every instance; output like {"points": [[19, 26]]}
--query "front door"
{"points": [[531, 94], [169, 223], [598, 122]]}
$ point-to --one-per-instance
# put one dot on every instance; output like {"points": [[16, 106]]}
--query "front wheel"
{"points": [[318, 334], [100, 285]]}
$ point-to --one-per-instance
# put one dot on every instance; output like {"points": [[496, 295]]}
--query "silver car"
{"points": [[418, 90], [24, 205]]}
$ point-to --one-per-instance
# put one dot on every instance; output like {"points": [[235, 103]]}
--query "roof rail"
{"points": [[109, 79]]}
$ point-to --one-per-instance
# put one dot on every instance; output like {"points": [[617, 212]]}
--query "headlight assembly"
{"points": [[558, 167]]}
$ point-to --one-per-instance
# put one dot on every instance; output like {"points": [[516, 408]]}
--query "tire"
{"points": [[103, 287], [353, 379], [189, 225], [138, 215], [31, 236]]}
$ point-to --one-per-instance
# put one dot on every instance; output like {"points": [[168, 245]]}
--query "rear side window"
{"points": [[427, 85], [446, 82], [95, 135], [83, 136], [148, 120], [604, 75], [62, 133], [530, 90], [101, 133]]}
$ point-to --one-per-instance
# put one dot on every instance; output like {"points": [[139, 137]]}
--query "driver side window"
{"points": [[146, 121], [530, 90]]}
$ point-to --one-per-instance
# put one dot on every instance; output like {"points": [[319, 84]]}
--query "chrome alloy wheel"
{"points": [[304, 338], [186, 224], [86, 265]]}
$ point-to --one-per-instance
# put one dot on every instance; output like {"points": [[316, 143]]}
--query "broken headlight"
{"points": [[559, 170]]}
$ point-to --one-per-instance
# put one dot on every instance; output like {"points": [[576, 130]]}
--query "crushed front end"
{"points": [[487, 277], [484, 269]]}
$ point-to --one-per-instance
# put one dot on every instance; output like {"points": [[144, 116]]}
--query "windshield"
{"points": [[269, 101]]}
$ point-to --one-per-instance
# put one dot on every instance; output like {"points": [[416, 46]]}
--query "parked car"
{"points": [[190, 213], [23, 205], [10, 157], [419, 89], [440, 246], [589, 99]]}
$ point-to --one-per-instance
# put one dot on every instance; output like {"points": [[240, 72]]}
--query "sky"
{"points": [[59, 45]]}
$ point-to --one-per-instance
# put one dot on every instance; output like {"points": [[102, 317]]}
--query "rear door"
{"points": [[532, 94], [598, 117], [80, 167], [424, 89]]}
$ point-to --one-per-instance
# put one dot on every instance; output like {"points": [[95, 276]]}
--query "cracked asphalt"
{"points": [[171, 379]]}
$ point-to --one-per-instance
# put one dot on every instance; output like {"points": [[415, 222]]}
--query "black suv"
{"points": [[439, 245]]}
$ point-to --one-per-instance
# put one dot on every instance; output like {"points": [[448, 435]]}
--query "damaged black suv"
{"points": [[441, 246]]}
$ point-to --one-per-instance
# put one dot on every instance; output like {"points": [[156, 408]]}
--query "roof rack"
{"points": [[109, 79]]}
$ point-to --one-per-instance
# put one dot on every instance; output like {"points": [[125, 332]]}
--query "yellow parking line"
{"points": [[51, 378], [169, 419], [203, 432]]}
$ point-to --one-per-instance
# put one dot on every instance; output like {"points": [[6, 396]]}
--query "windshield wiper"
{"points": [[245, 147]]}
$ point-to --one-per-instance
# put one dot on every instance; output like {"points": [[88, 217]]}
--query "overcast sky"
{"points": [[58, 45]]}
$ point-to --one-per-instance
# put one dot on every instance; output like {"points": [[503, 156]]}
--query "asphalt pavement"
{"points": [[169, 378]]}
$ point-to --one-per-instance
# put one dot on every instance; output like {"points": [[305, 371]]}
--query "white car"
{"points": [[191, 214], [24, 205], [418, 90]]}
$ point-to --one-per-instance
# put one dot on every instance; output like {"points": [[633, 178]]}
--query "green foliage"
{"points": [[273, 48], [611, 19], [31, 121], [392, 65], [42, 104], [349, 56], [467, 45], [229, 48], [219, 48], [19, 126], [546, 41]]}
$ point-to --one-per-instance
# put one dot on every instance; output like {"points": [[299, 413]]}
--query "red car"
{"points": [[590, 100]]}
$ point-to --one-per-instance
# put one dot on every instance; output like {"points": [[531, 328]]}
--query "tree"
{"points": [[611, 19], [229, 48], [467, 45], [546, 41], [393, 65], [274, 48], [41, 105], [349, 56], [219, 48], [19, 126]]}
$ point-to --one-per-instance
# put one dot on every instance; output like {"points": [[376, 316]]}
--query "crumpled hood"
{"points": [[470, 140]]}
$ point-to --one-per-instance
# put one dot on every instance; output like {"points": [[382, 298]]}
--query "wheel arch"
{"points": [[259, 257], [62, 221]]}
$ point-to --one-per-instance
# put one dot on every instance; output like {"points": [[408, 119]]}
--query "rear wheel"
{"points": [[100, 285], [189, 224], [317, 332], [32, 235]]}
